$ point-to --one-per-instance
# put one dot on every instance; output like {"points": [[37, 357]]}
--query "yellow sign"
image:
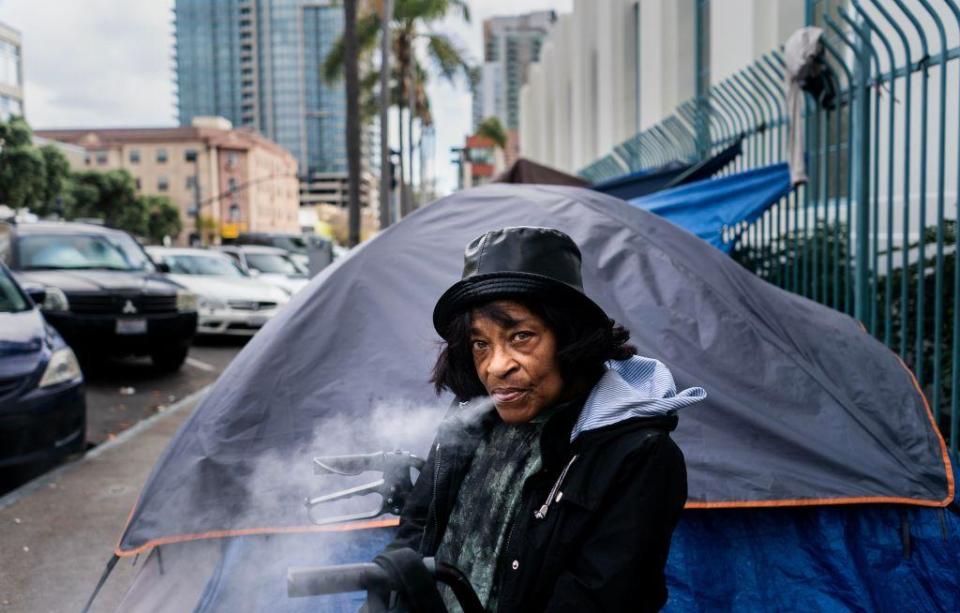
{"points": [[232, 230]]}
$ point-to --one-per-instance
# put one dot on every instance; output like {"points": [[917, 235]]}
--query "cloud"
{"points": [[95, 62]]}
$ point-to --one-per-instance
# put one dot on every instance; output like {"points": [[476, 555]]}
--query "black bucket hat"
{"points": [[518, 262]]}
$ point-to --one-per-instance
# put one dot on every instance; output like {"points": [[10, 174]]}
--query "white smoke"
{"points": [[277, 486]]}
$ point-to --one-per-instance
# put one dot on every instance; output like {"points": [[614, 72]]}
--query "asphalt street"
{"points": [[124, 392]]}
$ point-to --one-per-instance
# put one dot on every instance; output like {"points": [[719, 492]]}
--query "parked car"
{"points": [[294, 244], [43, 414], [230, 302], [270, 264], [102, 292]]}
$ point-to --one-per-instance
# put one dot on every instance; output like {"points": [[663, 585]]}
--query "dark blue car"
{"points": [[42, 407]]}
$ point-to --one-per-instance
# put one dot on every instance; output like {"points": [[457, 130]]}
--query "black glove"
{"points": [[418, 588]]}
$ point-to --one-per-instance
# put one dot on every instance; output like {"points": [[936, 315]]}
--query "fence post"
{"points": [[861, 290], [955, 346]]}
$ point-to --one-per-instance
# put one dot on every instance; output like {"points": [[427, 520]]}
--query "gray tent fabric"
{"points": [[803, 407]]}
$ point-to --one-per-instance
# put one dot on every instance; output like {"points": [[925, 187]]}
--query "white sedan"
{"points": [[269, 264], [229, 301]]}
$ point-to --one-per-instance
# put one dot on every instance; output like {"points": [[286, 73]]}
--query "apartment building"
{"points": [[242, 181]]}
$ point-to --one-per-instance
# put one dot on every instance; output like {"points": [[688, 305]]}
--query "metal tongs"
{"points": [[393, 487]]}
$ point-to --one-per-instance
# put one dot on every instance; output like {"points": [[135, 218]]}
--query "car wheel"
{"points": [[169, 360]]}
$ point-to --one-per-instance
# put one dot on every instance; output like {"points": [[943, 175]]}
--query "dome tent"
{"points": [[804, 409]]}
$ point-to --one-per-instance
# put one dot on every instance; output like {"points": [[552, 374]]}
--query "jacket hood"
{"points": [[631, 388]]}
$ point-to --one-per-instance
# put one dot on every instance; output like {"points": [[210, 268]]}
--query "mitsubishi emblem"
{"points": [[129, 309]]}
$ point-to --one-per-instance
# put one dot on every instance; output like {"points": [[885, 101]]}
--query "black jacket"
{"points": [[600, 544]]}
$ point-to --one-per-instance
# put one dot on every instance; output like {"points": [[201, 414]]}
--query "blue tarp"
{"points": [[706, 207], [831, 558]]}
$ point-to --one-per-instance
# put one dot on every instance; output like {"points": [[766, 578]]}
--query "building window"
{"points": [[234, 214], [231, 184], [134, 156], [101, 158], [163, 184], [191, 181], [161, 156], [138, 183], [231, 160], [190, 155]]}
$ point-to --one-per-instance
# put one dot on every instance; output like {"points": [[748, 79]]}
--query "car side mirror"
{"points": [[37, 293], [162, 267]]}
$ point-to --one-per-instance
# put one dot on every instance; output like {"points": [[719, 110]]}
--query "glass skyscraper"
{"points": [[258, 63]]}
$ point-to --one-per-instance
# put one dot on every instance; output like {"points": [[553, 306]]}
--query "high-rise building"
{"points": [[11, 72], [613, 68], [510, 45], [258, 63]]}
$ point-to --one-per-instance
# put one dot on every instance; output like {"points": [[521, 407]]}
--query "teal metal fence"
{"points": [[873, 231]]}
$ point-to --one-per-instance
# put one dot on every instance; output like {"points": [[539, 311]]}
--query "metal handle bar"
{"points": [[370, 577]]}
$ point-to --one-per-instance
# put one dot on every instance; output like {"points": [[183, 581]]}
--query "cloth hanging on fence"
{"points": [[705, 208], [803, 55]]}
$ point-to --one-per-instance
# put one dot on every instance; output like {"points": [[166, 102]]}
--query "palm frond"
{"points": [[368, 30], [493, 129], [463, 6], [447, 57]]}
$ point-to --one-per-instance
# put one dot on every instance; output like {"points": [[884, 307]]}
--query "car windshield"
{"points": [[272, 263], [81, 252], [12, 299], [202, 265]]}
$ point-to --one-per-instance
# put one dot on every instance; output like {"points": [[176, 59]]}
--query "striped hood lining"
{"points": [[635, 387]]}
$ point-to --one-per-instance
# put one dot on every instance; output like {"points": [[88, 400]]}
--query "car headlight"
{"points": [[211, 304], [63, 366], [55, 300], [186, 301]]}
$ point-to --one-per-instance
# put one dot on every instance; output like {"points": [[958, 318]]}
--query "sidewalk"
{"points": [[58, 531]]}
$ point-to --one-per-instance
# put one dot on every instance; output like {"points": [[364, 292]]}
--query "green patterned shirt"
{"points": [[486, 505]]}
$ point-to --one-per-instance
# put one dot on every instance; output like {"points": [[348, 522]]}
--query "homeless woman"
{"points": [[562, 495]]}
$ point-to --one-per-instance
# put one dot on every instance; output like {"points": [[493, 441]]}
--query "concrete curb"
{"points": [[29, 487]]}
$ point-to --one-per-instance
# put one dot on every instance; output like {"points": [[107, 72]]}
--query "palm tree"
{"points": [[492, 128], [411, 23], [385, 11], [351, 72]]}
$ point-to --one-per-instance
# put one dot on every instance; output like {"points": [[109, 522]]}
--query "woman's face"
{"points": [[515, 354]]}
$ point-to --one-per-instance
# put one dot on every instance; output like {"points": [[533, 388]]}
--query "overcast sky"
{"points": [[108, 63]]}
